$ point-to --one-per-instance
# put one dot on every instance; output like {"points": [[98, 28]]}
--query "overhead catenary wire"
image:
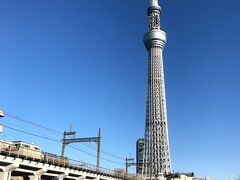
{"points": [[23, 127], [32, 134], [55, 140], [43, 137], [56, 131], [29, 122], [95, 155], [107, 153]]}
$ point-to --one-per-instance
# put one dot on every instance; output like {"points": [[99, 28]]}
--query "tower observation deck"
{"points": [[156, 151]]}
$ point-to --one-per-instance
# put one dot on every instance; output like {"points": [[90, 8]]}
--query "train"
{"points": [[32, 152]]}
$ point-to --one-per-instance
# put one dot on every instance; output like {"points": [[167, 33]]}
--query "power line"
{"points": [[94, 155], [43, 137], [51, 139], [58, 132], [25, 128], [29, 122], [107, 153]]}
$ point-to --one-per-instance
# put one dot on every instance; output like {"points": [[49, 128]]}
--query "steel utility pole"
{"points": [[98, 148], [64, 140], [129, 162], [97, 140]]}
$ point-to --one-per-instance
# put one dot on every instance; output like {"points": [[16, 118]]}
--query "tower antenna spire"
{"points": [[156, 161], [154, 2]]}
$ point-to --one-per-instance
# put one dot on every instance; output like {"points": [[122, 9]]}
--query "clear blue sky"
{"points": [[83, 62]]}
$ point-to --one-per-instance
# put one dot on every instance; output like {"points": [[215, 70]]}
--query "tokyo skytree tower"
{"points": [[156, 152]]}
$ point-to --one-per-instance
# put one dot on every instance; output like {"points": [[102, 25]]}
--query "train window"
{"points": [[17, 145], [26, 146], [36, 148]]}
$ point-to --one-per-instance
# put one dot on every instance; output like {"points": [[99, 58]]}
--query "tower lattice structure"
{"points": [[156, 151]]}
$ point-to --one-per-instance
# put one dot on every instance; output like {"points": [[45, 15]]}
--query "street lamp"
{"points": [[1, 114], [1, 126]]}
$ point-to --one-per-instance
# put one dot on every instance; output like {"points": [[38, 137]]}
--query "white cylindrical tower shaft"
{"points": [[154, 2]]}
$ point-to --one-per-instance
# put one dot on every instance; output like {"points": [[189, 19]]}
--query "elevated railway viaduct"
{"points": [[34, 170]]}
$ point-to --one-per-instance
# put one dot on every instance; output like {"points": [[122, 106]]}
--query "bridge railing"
{"points": [[9, 149], [89, 167]]}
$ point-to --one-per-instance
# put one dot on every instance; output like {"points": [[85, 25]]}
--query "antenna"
{"points": [[154, 2]]}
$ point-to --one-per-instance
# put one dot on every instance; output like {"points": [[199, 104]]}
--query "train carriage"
{"points": [[26, 150], [31, 151], [4, 146], [54, 159]]}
